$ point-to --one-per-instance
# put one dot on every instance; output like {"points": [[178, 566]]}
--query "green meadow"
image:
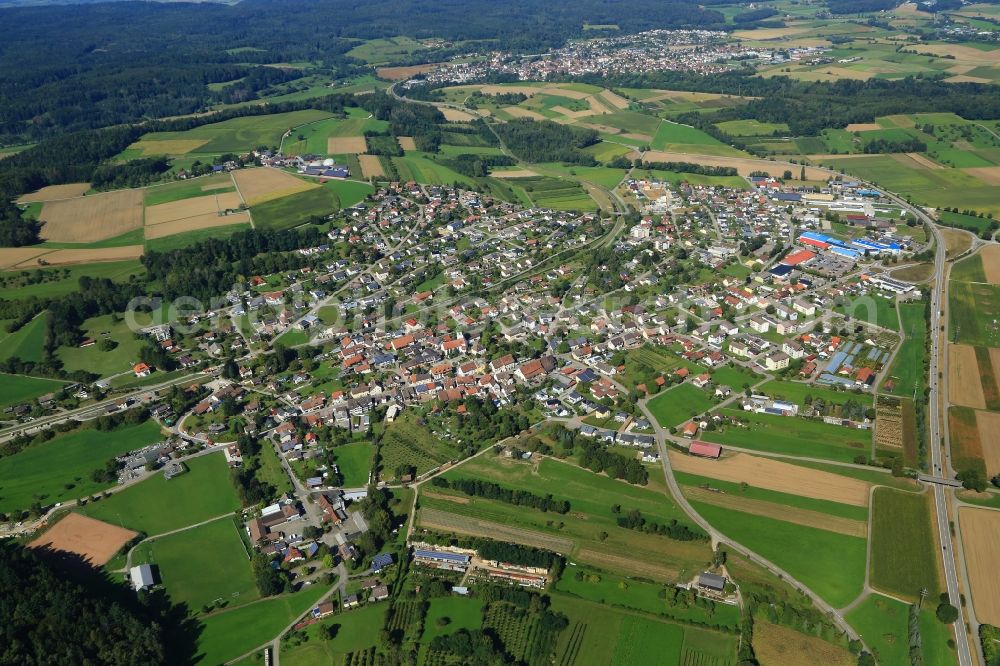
{"points": [[17, 389]]}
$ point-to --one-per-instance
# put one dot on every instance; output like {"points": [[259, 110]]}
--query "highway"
{"points": [[941, 464]]}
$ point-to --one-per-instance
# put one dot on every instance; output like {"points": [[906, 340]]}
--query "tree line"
{"points": [[634, 520], [546, 141], [494, 491]]}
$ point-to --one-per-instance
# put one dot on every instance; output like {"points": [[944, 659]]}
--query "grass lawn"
{"points": [[350, 192], [54, 282], [60, 468], [615, 590], [296, 209], [907, 369], [904, 551], [177, 241], [735, 377], [464, 613], [640, 637], [271, 470], [356, 630], [884, 315], [797, 391], [15, 389], [674, 406], [231, 633], [882, 622], [832, 565], [26, 343], [792, 435], [201, 565], [157, 505], [355, 463], [92, 359]]}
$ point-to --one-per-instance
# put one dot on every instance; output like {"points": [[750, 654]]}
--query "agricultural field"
{"points": [[556, 194], [966, 442], [94, 541], [782, 646], [26, 342], [577, 533], [296, 209], [258, 186], [974, 310], [907, 371], [814, 481], [903, 550], [55, 282], [219, 183], [91, 218], [831, 564], [675, 406], [408, 442], [792, 435], [981, 542], [677, 138], [157, 505], [17, 389], [229, 136], [60, 469], [744, 165], [202, 565]]}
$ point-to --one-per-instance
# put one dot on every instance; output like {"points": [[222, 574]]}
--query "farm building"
{"points": [[441, 560], [712, 582], [705, 450], [142, 577]]}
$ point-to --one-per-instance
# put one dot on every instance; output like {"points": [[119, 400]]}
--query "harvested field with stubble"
{"points": [[775, 645], [87, 256], [924, 161], [664, 570], [450, 522], [194, 207], [54, 192], [93, 218], [614, 99], [168, 146], [513, 173], [344, 145], [205, 221], [965, 387], [13, 256], [772, 474], [518, 112], [989, 175], [266, 184], [863, 127], [796, 516], [991, 263], [371, 166], [93, 540], [988, 424], [403, 73], [956, 242], [743, 165], [454, 115], [406, 143], [981, 539]]}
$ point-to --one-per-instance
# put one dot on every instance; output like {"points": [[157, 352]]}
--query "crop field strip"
{"points": [[91, 218], [903, 550], [981, 543]]}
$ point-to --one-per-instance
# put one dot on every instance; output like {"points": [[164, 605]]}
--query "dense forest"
{"points": [[46, 618], [126, 61], [546, 141]]}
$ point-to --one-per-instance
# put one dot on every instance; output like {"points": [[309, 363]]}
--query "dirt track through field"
{"points": [[965, 388], [804, 517], [341, 145], [981, 542], [193, 207], [93, 218], [991, 265], [206, 221], [266, 184], [53, 192], [743, 165], [450, 522], [988, 424], [775, 475], [94, 540]]}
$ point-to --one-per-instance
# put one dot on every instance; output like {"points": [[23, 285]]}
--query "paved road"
{"points": [[940, 467]]}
